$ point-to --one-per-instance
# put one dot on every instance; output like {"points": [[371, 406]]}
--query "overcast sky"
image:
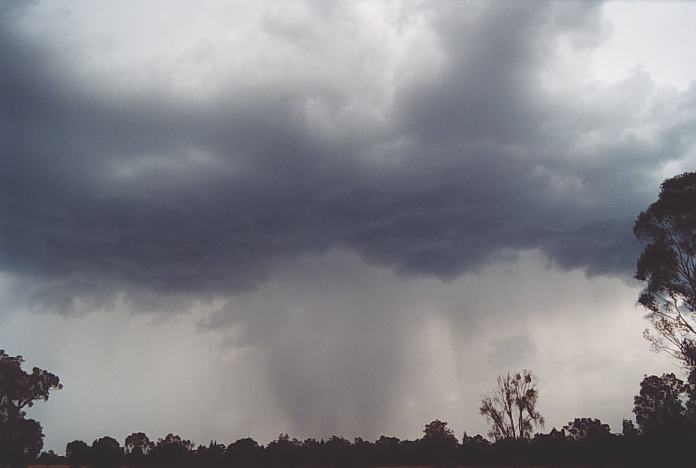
{"points": [[241, 219]]}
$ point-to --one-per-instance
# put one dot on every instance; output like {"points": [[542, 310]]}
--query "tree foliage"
{"points": [[78, 453], [173, 450], [21, 439], [437, 432], [137, 444], [19, 389], [586, 429], [106, 453], [438, 444], [667, 266], [659, 406], [511, 407]]}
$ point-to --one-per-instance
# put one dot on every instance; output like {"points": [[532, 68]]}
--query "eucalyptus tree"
{"points": [[667, 267]]}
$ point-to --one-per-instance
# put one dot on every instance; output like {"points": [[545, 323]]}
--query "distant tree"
{"points": [[363, 451], [474, 449], [283, 451], [106, 453], [586, 429], [511, 407], [337, 451], [388, 451], [438, 444], [658, 407], [438, 433], [210, 456], [21, 439], [386, 441], [50, 458], [173, 450], [78, 453], [591, 442], [550, 449], [667, 266], [244, 452], [478, 440], [138, 443]]}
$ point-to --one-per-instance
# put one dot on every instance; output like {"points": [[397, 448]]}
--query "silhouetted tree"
{"points": [[658, 407], [171, 451], [474, 450], [668, 434], [586, 429], [337, 451], [388, 451], [582, 442], [630, 445], [210, 456], [138, 443], [551, 448], [511, 407], [439, 443], [283, 451], [668, 267], [591, 442], [21, 439], [136, 447], [437, 432], [690, 389], [50, 458], [244, 453], [106, 453], [78, 453], [363, 451]]}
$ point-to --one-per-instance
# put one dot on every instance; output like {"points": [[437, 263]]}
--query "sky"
{"points": [[230, 219]]}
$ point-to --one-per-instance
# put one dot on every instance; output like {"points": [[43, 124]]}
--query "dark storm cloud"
{"points": [[146, 191]]}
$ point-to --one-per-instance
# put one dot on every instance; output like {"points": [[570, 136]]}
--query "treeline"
{"points": [[583, 442], [664, 435]]}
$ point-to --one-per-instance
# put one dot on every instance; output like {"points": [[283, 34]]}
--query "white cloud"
{"points": [[655, 37]]}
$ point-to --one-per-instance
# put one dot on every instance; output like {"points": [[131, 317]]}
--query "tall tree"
{"points": [[511, 407], [667, 266]]}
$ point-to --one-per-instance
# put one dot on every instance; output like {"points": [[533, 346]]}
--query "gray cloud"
{"points": [[333, 345], [512, 352]]}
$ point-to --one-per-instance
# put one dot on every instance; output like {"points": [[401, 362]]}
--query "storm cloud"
{"points": [[435, 164]]}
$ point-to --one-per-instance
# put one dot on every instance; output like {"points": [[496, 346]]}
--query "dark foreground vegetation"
{"points": [[583, 442], [664, 433]]}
